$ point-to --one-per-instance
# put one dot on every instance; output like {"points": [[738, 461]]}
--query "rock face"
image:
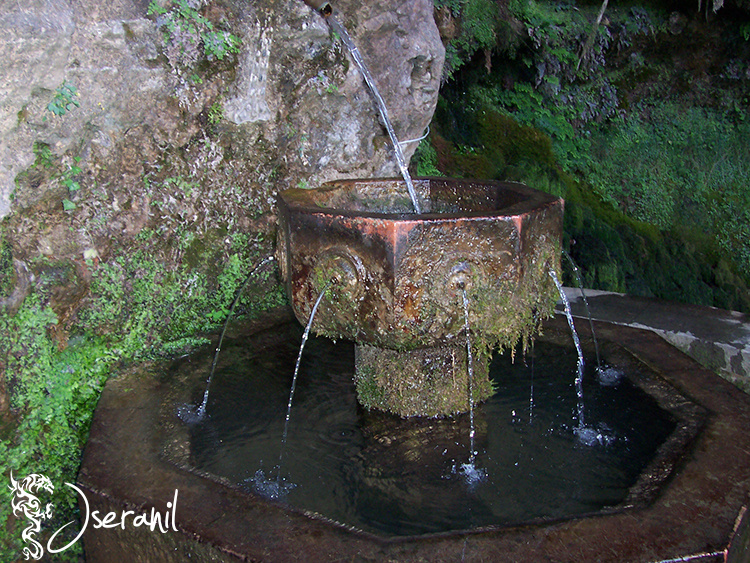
{"points": [[115, 119]]}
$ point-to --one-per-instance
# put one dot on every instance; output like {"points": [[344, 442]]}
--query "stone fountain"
{"points": [[394, 282], [396, 278]]}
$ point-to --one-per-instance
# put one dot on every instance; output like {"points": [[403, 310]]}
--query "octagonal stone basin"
{"points": [[686, 502], [394, 279]]}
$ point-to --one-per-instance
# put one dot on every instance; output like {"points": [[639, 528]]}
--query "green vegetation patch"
{"points": [[648, 145], [137, 309]]}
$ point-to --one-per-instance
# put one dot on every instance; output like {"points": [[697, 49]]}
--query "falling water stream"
{"points": [[471, 473], [187, 413], [577, 273], [278, 489], [382, 109], [531, 385], [470, 369], [305, 336], [577, 342]]}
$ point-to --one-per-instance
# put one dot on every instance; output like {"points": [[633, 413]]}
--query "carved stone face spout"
{"points": [[396, 279]]}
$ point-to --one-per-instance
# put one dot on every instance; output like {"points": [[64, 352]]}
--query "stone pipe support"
{"points": [[321, 6]]}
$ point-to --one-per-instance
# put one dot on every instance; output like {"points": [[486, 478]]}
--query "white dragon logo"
{"points": [[26, 502]]}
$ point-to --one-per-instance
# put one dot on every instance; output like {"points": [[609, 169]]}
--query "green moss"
{"points": [[7, 271], [144, 305], [427, 382], [369, 393]]}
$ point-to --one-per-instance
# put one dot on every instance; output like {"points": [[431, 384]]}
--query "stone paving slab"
{"points": [[716, 338]]}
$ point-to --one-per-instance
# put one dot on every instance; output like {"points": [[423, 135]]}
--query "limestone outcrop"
{"points": [[118, 117]]}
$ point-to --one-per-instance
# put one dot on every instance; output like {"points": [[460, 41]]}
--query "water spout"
{"points": [[187, 413], [265, 486], [305, 335], [320, 6], [577, 273], [382, 109], [577, 342]]}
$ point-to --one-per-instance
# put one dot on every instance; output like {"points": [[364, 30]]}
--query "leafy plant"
{"points": [[671, 165], [215, 113], [425, 160], [480, 28], [219, 44], [68, 176], [53, 395], [68, 179], [137, 308], [68, 205], [64, 100], [185, 29], [44, 156]]}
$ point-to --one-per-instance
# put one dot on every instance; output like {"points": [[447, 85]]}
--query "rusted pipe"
{"points": [[320, 6]]}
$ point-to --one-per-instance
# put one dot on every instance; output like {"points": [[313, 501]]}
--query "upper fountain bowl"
{"points": [[397, 275], [395, 278]]}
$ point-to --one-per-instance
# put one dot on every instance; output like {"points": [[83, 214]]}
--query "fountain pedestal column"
{"points": [[394, 280], [429, 381]]}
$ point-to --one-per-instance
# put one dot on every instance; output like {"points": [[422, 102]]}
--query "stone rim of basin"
{"points": [[327, 198]]}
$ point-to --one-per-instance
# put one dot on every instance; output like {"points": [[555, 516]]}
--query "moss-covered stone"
{"points": [[427, 382]]}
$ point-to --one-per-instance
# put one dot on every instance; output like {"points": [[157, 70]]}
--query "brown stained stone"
{"points": [[394, 278]]}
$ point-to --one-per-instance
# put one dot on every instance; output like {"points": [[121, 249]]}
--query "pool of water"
{"points": [[393, 477]]}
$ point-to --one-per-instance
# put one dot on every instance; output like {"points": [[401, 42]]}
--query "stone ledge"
{"points": [[716, 338]]}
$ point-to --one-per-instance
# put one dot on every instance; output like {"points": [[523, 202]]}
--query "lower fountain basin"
{"points": [[381, 474], [688, 502], [395, 279]]}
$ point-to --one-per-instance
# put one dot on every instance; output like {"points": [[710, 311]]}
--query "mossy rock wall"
{"points": [[125, 130]]}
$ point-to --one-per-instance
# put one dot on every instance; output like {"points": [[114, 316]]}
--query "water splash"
{"points": [[272, 489], [382, 109], [279, 481], [472, 474], [188, 413], [581, 431]]}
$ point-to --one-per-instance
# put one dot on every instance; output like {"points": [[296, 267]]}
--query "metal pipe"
{"points": [[320, 6]]}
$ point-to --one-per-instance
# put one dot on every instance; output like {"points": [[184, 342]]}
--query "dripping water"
{"points": [[471, 473], [382, 109], [531, 392], [278, 489], [188, 413]]}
